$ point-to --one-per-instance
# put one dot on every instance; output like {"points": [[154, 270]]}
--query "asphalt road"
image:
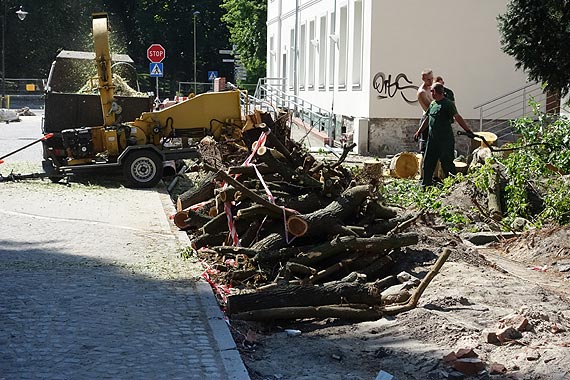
{"points": [[17, 134]]}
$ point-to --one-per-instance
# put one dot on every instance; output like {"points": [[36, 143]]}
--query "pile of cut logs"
{"points": [[283, 235]]}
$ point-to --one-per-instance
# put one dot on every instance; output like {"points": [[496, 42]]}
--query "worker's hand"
{"points": [[417, 136], [469, 133]]}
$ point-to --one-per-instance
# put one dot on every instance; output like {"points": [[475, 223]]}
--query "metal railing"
{"points": [[495, 115], [271, 92]]}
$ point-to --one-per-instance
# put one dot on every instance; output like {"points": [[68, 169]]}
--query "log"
{"points": [[218, 223], [319, 276], [233, 251], [320, 221], [268, 157], [345, 312], [251, 195], [209, 240], [249, 171], [298, 295], [494, 195], [195, 219], [180, 219], [272, 242], [346, 149], [413, 301], [373, 245], [380, 211], [382, 227], [200, 193]]}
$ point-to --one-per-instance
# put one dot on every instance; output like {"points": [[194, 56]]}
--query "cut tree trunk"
{"points": [[320, 221], [201, 193], [377, 245], [345, 312], [297, 295]]}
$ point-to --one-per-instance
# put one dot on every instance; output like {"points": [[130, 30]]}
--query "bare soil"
{"points": [[478, 289]]}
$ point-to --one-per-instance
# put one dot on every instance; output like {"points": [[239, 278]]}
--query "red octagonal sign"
{"points": [[155, 53]]}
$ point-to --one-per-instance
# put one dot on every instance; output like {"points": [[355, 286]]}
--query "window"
{"points": [[357, 46], [312, 51], [271, 57], [342, 48], [332, 49], [322, 52], [302, 56], [292, 57]]}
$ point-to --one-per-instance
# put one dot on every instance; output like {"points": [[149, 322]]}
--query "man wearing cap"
{"points": [[441, 142]]}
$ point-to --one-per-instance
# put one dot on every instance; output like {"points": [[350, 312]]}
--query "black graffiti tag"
{"points": [[388, 89]]}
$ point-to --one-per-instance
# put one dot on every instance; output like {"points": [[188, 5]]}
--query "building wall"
{"points": [[377, 61]]}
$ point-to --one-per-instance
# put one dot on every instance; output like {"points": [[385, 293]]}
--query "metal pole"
{"points": [[157, 97], [3, 57], [195, 14]]}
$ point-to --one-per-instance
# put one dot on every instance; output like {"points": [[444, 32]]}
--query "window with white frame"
{"points": [[357, 45], [312, 51], [342, 47], [271, 57], [292, 57], [302, 56], [332, 48], [322, 51]]}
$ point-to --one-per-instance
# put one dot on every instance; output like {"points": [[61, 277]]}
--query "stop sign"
{"points": [[155, 53]]}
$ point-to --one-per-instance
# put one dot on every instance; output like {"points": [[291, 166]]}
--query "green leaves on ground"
{"points": [[534, 175]]}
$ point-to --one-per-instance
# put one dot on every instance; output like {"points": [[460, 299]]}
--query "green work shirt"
{"points": [[441, 115], [448, 94]]}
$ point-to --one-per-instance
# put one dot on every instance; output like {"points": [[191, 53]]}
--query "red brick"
{"points": [[469, 366]]}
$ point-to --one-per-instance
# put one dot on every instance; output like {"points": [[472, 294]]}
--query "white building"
{"points": [[362, 59]]}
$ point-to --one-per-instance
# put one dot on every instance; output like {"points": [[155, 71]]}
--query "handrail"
{"points": [[504, 95]]}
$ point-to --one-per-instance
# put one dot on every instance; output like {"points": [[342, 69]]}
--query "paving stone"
{"points": [[93, 294]]}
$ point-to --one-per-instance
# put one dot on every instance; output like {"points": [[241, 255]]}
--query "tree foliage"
{"points": [[52, 26], [536, 33], [246, 21]]}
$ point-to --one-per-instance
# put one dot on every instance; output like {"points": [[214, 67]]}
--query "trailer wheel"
{"points": [[51, 171], [142, 168]]}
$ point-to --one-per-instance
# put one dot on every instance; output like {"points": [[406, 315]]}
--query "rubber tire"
{"points": [[50, 170], [142, 169]]}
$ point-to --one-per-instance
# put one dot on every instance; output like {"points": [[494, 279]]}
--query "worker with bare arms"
{"points": [[424, 98]]}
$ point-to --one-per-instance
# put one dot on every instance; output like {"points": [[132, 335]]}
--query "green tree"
{"points": [[536, 33], [246, 21], [52, 26]]}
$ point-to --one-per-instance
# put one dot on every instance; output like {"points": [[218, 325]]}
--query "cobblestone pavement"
{"points": [[92, 286]]}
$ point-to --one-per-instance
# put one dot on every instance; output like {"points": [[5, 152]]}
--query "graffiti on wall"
{"points": [[387, 88]]}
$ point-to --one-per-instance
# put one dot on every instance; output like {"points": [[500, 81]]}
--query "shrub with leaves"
{"points": [[535, 176]]}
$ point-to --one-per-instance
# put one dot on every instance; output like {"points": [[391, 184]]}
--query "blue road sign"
{"points": [[212, 75], [156, 69]]}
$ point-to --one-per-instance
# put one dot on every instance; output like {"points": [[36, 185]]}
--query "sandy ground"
{"points": [[477, 288]]}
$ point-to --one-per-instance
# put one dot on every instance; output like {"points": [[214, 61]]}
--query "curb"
{"points": [[232, 362]]}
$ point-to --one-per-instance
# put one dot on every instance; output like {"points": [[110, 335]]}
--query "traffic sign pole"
{"points": [[156, 54]]}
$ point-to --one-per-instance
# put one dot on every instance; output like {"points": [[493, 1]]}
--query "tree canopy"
{"points": [[52, 26], [246, 21], [536, 33]]}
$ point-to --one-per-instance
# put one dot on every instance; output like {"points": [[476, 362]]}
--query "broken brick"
{"points": [[466, 353], [497, 369], [469, 366], [508, 334], [451, 357], [490, 337]]}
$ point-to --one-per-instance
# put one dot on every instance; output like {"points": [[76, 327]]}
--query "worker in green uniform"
{"points": [[441, 142], [446, 91]]}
